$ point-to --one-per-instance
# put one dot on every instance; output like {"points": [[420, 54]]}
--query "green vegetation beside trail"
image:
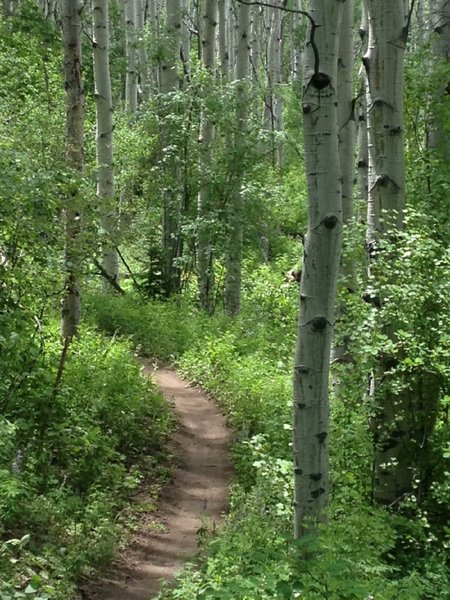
{"points": [[245, 363], [69, 462]]}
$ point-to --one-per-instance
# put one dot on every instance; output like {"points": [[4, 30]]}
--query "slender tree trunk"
{"points": [[440, 130], [104, 134], [346, 111], [185, 41], [143, 68], [153, 24], [169, 78], [296, 71], [347, 136], [223, 49], [384, 62], [131, 80], [363, 149], [170, 85], [205, 264], [231, 38], [71, 304], [320, 267], [274, 106], [255, 59], [234, 256]]}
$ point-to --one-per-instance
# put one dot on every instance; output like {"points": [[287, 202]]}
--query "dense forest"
{"points": [[257, 194]]}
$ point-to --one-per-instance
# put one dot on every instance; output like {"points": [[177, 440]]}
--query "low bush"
{"points": [[69, 461]]}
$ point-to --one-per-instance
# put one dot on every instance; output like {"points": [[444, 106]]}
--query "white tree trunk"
{"points": [[274, 104], [153, 24], [320, 267], [231, 38], [234, 256], [170, 85], [185, 40], [255, 44], [143, 68], [439, 134], [205, 263], [104, 136], [346, 110], [296, 69], [71, 303], [131, 80], [347, 137], [384, 61], [223, 49], [363, 142], [169, 78]]}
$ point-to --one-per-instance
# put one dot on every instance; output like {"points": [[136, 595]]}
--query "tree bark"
{"points": [[274, 104], [131, 80], [234, 256], [320, 267], [104, 136], [440, 130], [185, 41], [347, 136], [205, 263], [142, 60], [170, 85], [223, 49], [71, 303], [384, 62], [363, 142]]}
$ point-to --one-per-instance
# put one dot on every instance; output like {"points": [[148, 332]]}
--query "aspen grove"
{"points": [[255, 194]]}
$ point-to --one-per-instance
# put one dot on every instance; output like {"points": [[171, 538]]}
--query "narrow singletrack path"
{"points": [[194, 500]]}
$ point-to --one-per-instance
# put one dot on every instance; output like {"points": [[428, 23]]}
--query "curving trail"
{"points": [[196, 495]]}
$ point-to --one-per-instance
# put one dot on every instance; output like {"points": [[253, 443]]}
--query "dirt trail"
{"points": [[197, 494]]}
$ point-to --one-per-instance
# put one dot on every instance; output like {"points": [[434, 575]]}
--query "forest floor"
{"points": [[190, 506]]}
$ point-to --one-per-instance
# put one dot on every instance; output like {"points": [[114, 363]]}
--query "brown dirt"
{"points": [[192, 503]]}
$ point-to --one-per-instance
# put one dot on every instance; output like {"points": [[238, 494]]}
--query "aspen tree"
{"points": [[296, 53], [347, 135], [131, 80], [142, 60], [384, 64], [231, 37], [153, 24], [274, 105], [71, 304], [363, 150], [205, 264], [104, 136], [320, 266], [346, 110], [169, 78], [440, 130], [234, 255], [255, 46], [185, 39], [170, 85], [223, 39]]}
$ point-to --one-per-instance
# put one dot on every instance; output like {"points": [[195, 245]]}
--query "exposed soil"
{"points": [[190, 505]]}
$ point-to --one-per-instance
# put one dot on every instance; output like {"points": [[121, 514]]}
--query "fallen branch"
{"points": [[111, 280]]}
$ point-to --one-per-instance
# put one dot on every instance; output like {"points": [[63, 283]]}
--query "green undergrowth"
{"points": [[70, 462], [365, 552]]}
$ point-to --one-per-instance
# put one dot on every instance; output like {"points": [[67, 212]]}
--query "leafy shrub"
{"points": [[68, 462]]}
